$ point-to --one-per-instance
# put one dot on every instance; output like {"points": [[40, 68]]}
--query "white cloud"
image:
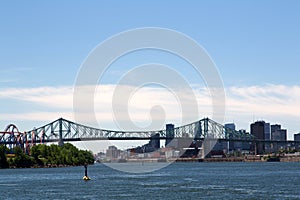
{"points": [[266, 100], [52, 97], [242, 103]]}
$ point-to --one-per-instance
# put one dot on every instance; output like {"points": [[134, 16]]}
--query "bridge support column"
{"points": [[207, 147], [61, 141]]}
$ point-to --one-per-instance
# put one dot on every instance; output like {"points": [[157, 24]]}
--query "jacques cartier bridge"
{"points": [[62, 130]]}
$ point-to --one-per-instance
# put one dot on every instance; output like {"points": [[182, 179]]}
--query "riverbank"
{"points": [[249, 158], [290, 159], [259, 158], [48, 166]]}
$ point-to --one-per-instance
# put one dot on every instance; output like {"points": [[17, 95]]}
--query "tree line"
{"points": [[42, 155]]}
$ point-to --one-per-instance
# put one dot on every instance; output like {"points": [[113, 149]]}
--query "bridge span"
{"points": [[62, 130]]}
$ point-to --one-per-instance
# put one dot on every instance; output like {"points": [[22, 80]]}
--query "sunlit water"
{"points": [[177, 181]]}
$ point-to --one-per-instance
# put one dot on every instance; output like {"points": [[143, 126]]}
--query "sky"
{"points": [[254, 45]]}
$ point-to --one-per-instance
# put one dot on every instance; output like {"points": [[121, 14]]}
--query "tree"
{"points": [[37, 152], [42, 155], [22, 160], [3, 159]]}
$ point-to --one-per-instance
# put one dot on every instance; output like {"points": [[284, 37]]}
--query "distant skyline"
{"points": [[254, 44]]}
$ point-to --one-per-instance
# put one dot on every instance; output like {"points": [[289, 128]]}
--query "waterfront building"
{"points": [[112, 153], [267, 131], [278, 134], [169, 133], [257, 129], [151, 146], [297, 138], [275, 127], [155, 141], [229, 146], [244, 146]]}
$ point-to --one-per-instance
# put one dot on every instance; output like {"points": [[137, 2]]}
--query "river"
{"points": [[176, 181]]}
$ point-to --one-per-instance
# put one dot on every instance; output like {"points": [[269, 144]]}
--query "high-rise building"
{"points": [[267, 137], [112, 153], [244, 146], [279, 135], [257, 129], [169, 133], [229, 128], [155, 141], [275, 127], [297, 137], [267, 131]]}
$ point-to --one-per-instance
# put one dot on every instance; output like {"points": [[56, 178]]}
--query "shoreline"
{"points": [[246, 159], [181, 160], [228, 159], [41, 167]]}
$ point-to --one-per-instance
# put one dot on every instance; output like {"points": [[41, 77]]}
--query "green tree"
{"points": [[38, 153], [53, 155], [3, 159], [22, 160]]}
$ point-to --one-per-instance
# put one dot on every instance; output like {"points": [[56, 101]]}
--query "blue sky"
{"points": [[254, 44]]}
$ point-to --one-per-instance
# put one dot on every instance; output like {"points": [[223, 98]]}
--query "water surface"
{"points": [[177, 181]]}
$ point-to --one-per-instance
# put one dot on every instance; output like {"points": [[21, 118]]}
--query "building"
{"points": [[279, 135], [229, 129], [155, 141], [244, 146], [267, 131], [112, 153], [169, 133], [297, 137], [151, 146], [257, 129], [275, 127]]}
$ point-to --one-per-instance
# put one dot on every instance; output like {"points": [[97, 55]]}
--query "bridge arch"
{"points": [[12, 137]]}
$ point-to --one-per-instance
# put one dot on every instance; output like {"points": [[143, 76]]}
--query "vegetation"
{"points": [[46, 156], [3, 159]]}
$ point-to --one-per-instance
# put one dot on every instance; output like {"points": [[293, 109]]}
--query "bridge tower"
{"points": [[60, 132], [211, 132]]}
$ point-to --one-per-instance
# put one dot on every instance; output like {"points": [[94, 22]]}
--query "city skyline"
{"points": [[256, 55]]}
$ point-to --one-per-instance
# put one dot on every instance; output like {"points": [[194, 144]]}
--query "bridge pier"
{"points": [[207, 146]]}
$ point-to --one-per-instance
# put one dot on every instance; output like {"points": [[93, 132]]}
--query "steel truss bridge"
{"points": [[62, 130]]}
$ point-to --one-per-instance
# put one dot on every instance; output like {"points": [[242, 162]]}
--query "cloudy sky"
{"points": [[254, 45]]}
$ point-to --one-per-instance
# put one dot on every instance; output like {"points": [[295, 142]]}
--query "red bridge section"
{"points": [[11, 137]]}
